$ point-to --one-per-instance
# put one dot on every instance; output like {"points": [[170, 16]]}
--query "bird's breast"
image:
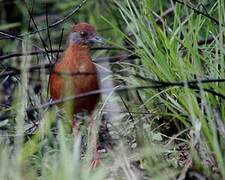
{"points": [[75, 77]]}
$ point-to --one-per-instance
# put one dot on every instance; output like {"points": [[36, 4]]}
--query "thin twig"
{"points": [[68, 16], [12, 37], [39, 34], [60, 43], [166, 13], [48, 32], [182, 83], [199, 12], [47, 66], [121, 89], [18, 54]]}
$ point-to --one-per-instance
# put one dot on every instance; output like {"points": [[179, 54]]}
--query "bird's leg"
{"points": [[75, 127], [96, 156]]}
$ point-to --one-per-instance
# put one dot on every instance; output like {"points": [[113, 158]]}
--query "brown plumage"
{"points": [[67, 78], [77, 59]]}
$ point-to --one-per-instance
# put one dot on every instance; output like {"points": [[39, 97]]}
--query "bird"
{"points": [[75, 73]]}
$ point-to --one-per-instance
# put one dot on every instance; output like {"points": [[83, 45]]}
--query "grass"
{"points": [[170, 132]]}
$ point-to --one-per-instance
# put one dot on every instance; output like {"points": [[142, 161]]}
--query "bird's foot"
{"points": [[96, 161], [75, 127]]}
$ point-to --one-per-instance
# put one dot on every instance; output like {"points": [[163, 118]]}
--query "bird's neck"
{"points": [[79, 47], [75, 52]]}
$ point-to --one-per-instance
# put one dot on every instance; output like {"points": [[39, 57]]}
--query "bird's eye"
{"points": [[83, 33]]}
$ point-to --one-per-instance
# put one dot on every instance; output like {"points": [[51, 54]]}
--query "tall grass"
{"points": [[175, 55], [163, 133]]}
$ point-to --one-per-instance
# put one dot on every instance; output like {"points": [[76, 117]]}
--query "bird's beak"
{"points": [[96, 39]]}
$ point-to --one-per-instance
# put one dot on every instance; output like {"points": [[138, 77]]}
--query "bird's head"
{"points": [[84, 34]]}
